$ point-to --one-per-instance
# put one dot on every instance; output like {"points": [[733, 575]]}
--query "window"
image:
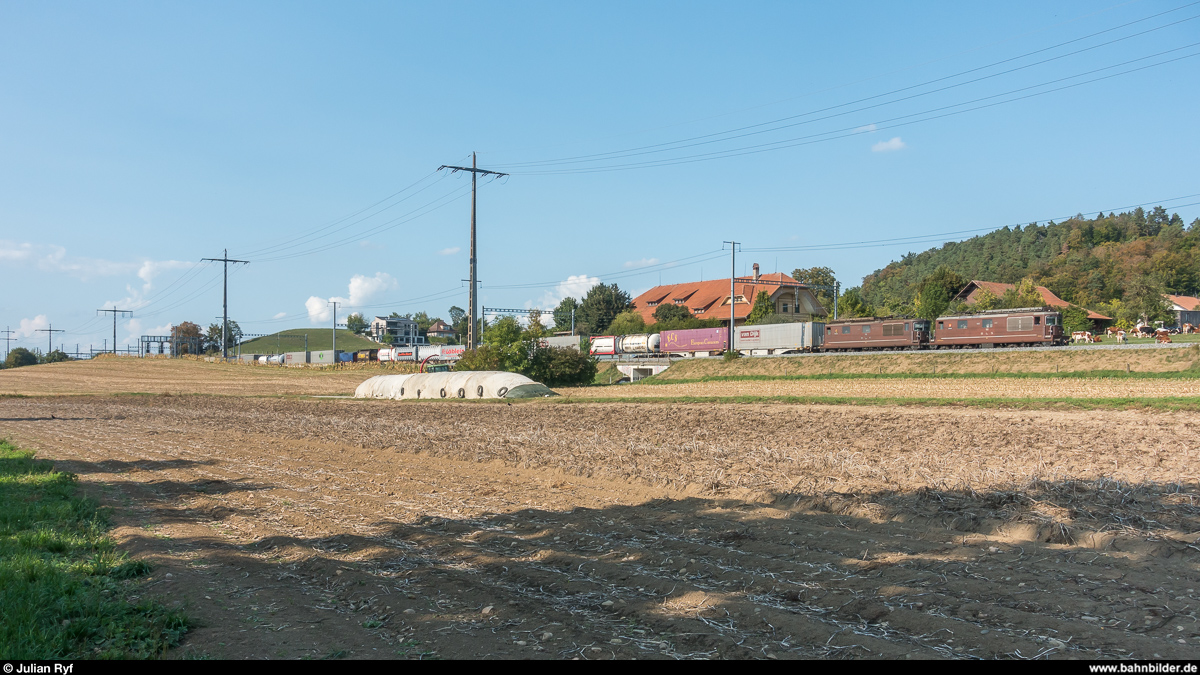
{"points": [[905, 328], [1051, 320], [939, 325], [785, 308], [962, 324], [1037, 320], [987, 323], [845, 330], [866, 329]]}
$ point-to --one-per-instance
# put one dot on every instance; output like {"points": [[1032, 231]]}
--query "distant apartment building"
{"points": [[395, 330]]}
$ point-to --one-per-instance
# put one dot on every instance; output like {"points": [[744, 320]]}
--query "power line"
{"points": [[115, 313], [858, 130], [50, 330], [225, 300], [475, 171], [8, 338], [660, 147]]}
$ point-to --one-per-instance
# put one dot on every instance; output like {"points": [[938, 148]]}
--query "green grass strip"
{"points": [[64, 587], [1190, 374], [1189, 403]]}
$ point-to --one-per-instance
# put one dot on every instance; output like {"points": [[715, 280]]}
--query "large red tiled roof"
{"points": [[706, 299]]}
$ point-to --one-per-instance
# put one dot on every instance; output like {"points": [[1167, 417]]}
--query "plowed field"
{"points": [[300, 528]]}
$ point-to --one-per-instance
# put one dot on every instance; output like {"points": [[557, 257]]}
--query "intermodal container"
{"points": [[701, 340]]}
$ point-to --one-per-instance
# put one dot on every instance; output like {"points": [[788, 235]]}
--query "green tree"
{"points": [[1075, 319], [212, 339], [458, 321], [763, 307], [851, 305], [932, 301], [601, 305], [629, 322], [985, 300], [56, 356], [356, 324], [187, 331], [1023, 294], [818, 276], [671, 312], [562, 313], [20, 357]]}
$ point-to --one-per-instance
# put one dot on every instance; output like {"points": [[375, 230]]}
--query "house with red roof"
{"points": [[970, 295], [711, 299], [1186, 308]]}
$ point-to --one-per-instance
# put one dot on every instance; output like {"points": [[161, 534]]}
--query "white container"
{"points": [[779, 338]]}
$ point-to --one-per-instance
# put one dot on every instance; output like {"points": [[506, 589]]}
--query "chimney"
{"points": [[756, 271]]}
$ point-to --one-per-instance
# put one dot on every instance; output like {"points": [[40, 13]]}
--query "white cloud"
{"points": [[574, 286], [319, 310], [864, 130], [361, 289], [29, 327], [279, 315], [889, 146], [450, 251], [644, 262]]}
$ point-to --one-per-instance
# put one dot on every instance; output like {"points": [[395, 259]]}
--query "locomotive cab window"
{"points": [[987, 323], [1051, 320], [1037, 320], [962, 324], [905, 328]]}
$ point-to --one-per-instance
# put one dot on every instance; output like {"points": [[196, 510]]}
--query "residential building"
{"points": [[1186, 308], [711, 299], [396, 330], [440, 329]]}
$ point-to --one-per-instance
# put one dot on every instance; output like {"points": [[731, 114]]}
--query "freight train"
{"points": [[1031, 326]]}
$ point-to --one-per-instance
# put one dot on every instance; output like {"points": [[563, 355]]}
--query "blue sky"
{"points": [[139, 138]]}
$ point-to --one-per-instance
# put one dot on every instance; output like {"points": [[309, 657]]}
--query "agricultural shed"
{"points": [[467, 385]]}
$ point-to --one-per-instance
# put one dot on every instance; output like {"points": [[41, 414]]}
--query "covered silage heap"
{"points": [[468, 385]]}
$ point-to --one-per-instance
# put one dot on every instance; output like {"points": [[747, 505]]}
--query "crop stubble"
{"points": [[713, 530]]}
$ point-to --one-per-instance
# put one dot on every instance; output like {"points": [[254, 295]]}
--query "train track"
{"points": [[994, 350]]}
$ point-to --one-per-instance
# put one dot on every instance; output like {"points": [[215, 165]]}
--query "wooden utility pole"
{"points": [[224, 301], [472, 326]]}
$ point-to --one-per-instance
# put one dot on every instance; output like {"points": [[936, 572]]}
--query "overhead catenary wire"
{"points": [[847, 132], [689, 142]]}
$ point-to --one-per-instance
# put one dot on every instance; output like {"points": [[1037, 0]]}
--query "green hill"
{"points": [[1116, 264], [318, 339]]}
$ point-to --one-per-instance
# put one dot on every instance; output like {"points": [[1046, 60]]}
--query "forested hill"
{"points": [[1102, 263]]}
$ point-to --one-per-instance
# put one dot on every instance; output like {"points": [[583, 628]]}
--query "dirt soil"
{"points": [[903, 387], [361, 529]]}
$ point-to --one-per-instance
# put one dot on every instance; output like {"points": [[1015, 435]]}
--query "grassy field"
{"points": [[918, 364], [65, 591], [318, 339]]}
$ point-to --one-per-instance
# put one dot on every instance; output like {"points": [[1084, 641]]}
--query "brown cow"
{"points": [[1162, 337]]}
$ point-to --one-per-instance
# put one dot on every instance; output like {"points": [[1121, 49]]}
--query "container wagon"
{"points": [[779, 338], [1026, 327], [694, 342], [876, 333], [603, 345]]}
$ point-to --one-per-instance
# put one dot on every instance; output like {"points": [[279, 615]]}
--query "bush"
{"points": [[20, 357]]}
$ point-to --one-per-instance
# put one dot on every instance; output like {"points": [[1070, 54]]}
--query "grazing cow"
{"points": [[1111, 331], [1081, 336], [1188, 328], [1147, 331], [1120, 337]]}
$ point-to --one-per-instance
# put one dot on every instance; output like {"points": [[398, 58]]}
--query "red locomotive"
{"points": [[1025, 327], [876, 333]]}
